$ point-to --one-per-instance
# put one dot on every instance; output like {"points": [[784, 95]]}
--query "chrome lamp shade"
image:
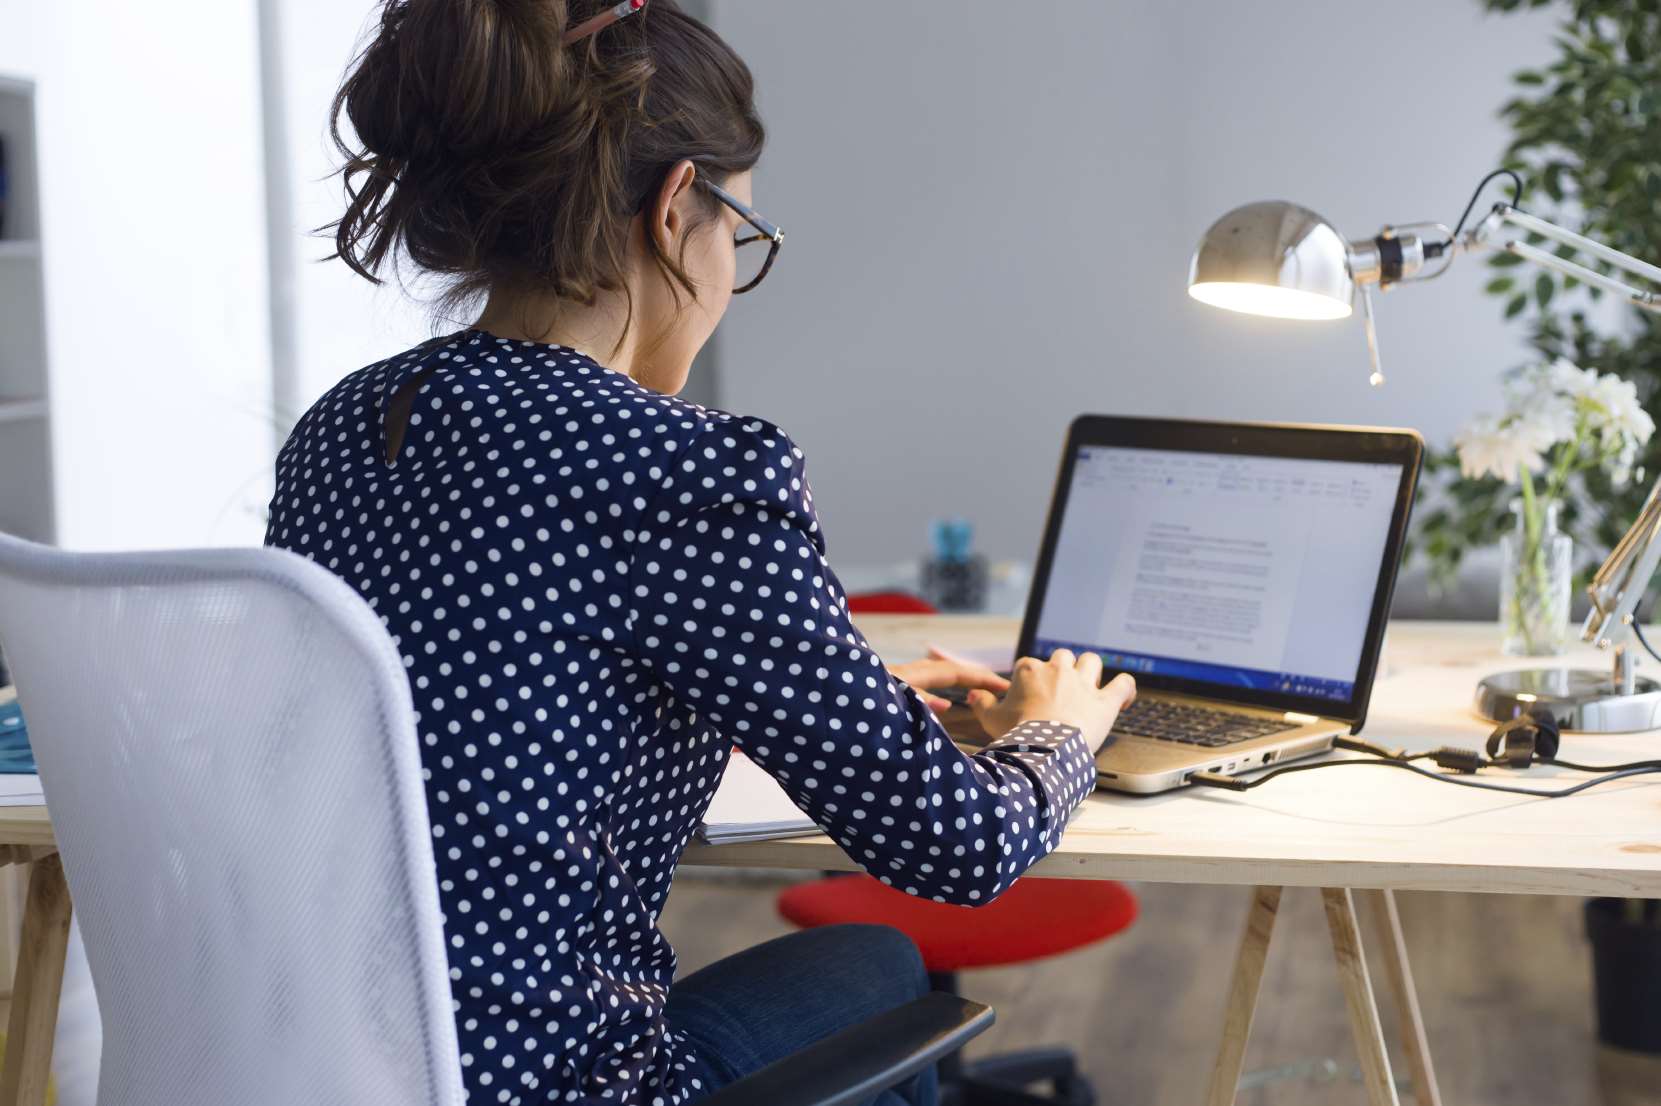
{"points": [[1274, 258]]}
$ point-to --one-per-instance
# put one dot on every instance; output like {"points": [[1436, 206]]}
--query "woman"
{"points": [[599, 589]]}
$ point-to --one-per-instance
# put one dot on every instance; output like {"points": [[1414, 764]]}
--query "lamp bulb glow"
{"points": [[1270, 300]]}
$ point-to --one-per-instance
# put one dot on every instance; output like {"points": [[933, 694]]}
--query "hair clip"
{"points": [[602, 21]]}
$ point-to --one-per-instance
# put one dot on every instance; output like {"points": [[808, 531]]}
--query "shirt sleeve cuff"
{"points": [[1057, 760]]}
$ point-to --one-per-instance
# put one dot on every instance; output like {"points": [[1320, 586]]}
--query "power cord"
{"points": [[1462, 762], [1638, 630], [1528, 739], [1230, 783], [1516, 197]]}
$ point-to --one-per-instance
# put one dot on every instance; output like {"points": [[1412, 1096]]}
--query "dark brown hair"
{"points": [[490, 154]]}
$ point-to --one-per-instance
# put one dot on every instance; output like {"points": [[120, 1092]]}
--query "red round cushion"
{"points": [[1033, 919], [889, 602]]}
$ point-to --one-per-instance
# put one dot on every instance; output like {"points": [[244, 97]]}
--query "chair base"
{"points": [[1008, 1079]]}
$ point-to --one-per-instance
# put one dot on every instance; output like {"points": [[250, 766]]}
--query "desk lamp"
{"points": [[1279, 259]]}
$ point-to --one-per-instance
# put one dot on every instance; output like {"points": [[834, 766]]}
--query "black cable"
{"points": [[1516, 196], [1638, 630], [1359, 745], [1230, 783], [1464, 763], [1554, 762]]}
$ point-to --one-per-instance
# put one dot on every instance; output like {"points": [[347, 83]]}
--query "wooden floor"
{"points": [[1504, 982]]}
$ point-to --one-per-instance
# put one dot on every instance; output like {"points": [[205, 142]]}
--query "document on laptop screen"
{"points": [[1254, 572]]}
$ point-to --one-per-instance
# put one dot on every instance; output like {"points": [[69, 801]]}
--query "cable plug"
{"points": [[1460, 760], [1217, 779]]}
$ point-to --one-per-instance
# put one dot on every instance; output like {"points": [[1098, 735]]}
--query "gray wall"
{"points": [[989, 229], [329, 320]]}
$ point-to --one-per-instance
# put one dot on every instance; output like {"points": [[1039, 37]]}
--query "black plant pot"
{"points": [[1626, 968]]}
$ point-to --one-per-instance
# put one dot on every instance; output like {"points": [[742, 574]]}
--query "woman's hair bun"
{"points": [[460, 77], [483, 149]]}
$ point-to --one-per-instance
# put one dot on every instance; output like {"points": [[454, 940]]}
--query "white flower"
{"points": [[1552, 403], [1567, 378], [1501, 447], [1554, 414], [1548, 394], [1616, 409]]}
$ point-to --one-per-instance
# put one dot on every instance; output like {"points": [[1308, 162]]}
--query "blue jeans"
{"points": [[742, 1013]]}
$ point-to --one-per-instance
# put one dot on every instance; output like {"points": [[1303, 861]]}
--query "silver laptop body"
{"points": [[1241, 572]]}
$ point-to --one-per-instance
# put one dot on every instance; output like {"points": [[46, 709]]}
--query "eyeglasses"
{"points": [[749, 261]]}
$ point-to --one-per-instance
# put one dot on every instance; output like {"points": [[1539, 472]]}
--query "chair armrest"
{"points": [[854, 1065]]}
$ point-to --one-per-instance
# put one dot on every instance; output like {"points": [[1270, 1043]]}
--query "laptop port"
{"points": [[1267, 757]]}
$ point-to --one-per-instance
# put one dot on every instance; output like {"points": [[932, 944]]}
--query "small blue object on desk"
{"points": [[955, 577], [15, 755]]}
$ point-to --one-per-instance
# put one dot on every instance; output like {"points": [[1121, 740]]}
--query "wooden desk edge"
{"points": [[822, 854], [30, 826], [26, 825]]}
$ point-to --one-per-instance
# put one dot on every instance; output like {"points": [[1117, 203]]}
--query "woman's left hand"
{"points": [[942, 670]]}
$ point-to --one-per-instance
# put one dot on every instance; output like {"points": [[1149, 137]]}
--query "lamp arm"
{"points": [[1580, 242], [1636, 297], [1621, 581], [1487, 233]]}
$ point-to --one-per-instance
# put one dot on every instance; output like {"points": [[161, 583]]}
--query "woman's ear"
{"points": [[667, 216]]}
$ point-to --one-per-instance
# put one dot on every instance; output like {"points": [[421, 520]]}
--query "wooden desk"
{"points": [[1364, 828], [1360, 833], [37, 981]]}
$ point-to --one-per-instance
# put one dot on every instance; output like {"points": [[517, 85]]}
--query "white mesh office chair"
{"points": [[229, 755]]}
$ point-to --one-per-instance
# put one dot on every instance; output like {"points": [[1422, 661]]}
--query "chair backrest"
{"points": [[228, 750]]}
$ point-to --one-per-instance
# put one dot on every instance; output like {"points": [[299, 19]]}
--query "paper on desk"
{"points": [[21, 789], [999, 658], [749, 805]]}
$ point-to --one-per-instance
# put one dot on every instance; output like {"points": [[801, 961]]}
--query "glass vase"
{"points": [[1535, 581]]}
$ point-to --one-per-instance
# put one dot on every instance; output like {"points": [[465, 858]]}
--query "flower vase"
{"points": [[1535, 581]]}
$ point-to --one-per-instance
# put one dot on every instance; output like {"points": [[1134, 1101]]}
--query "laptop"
{"points": [[1242, 573]]}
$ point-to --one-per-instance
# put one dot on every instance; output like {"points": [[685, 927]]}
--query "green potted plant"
{"points": [[1561, 424], [1586, 125]]}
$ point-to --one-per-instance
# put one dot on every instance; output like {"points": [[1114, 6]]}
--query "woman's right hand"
{"points": [[1064, 689]]}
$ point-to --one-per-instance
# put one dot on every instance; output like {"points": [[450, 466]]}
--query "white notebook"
{"points": [[750, 806], [21, 789]]}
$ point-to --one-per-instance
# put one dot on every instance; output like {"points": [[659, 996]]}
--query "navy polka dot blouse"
{"points": [[598, 590]]}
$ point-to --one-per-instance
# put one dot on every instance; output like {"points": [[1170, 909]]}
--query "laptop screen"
{"points": [[1233, 570]]}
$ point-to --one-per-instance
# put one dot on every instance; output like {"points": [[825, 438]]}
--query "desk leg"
{"points": [[1242, 996], [36, 986], [1417, 1045], [1358, 996]]}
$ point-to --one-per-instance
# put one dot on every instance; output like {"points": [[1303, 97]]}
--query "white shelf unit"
{"points": [[26, 497]]}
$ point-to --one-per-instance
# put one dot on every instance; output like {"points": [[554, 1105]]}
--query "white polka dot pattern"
{"points": [[597, 590]]}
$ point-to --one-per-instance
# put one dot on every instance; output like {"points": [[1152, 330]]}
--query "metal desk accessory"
{"points": [[1283, 260], [1280, 259], [1584, 699]]}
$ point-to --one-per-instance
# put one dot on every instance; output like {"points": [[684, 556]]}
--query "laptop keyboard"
{"points": [[1210, 729]]}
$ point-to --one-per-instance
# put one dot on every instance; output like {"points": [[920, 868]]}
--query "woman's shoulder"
{"points": [[724, 445], [723, 461]]}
